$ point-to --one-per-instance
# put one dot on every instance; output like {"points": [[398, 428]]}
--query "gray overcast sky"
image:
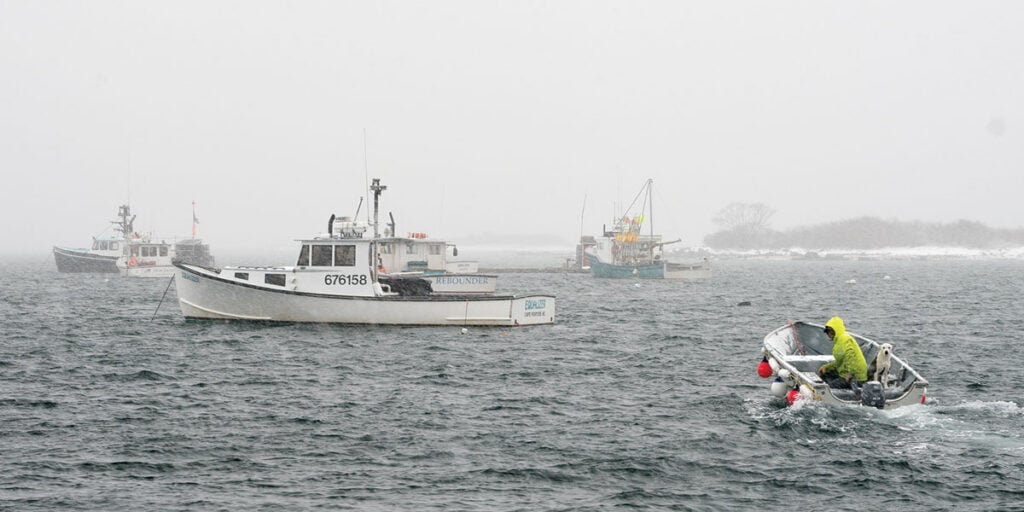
{"points": [[500, 117]]}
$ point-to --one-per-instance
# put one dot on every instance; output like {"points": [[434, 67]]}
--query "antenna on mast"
{"points": [[366, 178]]}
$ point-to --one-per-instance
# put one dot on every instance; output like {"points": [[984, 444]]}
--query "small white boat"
{"points": [[689, 270], [337, 279], [795, 352]]}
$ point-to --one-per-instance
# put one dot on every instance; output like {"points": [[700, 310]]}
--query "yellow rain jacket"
{"points": [[848, 357]]}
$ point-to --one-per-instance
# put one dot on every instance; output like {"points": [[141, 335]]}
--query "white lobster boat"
{"points": [[795, 351], [337, 280], [132, 254], [421, 257]]}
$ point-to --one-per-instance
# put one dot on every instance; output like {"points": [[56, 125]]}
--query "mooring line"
{"points": [[162, 297]]}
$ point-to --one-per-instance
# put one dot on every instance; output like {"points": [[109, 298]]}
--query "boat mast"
{"points": [[650, 215], [377, 188], [124, 225]]}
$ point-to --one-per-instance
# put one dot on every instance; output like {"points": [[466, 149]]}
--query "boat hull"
{"points": [[600, 268], [696, 270], [149, 271], [656, 270], [71, 260], [203, 294], [456, 283]]}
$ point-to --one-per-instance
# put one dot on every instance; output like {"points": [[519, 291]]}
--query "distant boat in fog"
{"points": [[625, 251], [131, 253]]}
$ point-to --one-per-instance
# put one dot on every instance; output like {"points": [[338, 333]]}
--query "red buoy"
{"points": [[764, 369], [793, 395]]}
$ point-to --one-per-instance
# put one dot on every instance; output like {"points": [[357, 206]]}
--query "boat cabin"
{"points": [[413, 254], [108, 246]]}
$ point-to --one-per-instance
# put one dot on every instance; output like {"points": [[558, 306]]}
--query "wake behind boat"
{"points": [[794, 352], [337, 279]]}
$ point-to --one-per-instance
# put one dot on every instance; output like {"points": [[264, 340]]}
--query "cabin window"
{"points": [[163, 250], [435, 249], [345, 255], [387, 248], [113, 246], [95, 245], [103, 246], [274, 279], [135, 250], [321, 255], [145, 251], [303, 256], [410, 248], [242, 275]]}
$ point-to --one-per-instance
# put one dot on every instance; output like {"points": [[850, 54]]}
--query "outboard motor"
{"points": [[872, 394]]}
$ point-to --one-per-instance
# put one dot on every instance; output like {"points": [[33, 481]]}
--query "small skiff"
{"points": [[794, 352]]}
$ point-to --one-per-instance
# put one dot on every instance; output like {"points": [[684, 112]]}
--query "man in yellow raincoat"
{"points": [[849, 365]]}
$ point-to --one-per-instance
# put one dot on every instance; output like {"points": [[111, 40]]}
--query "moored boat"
{"points": [[97, 259], [131, 253], [794, 352], [626, 251], [105, 253], [337, 279], [421, 257]]}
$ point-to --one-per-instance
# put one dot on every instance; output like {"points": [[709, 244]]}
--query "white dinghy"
{"points": [[794, 352], [336, 281]]}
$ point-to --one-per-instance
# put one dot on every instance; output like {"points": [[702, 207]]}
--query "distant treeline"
{"points": [[867, 233]]}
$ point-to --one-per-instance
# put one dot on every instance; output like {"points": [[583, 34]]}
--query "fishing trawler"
{"points": [[338, 279], [131, 253], [625, 251]]}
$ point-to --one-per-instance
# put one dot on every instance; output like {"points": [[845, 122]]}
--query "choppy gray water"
{"points": [[643, 395]]}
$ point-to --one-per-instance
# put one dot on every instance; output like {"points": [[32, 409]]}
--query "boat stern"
{"points": [[533, 310]]}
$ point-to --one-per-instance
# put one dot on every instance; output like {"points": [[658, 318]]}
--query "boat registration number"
{"points": [[344, 279]]}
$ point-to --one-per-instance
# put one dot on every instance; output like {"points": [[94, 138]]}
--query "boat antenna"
{"points": [[366, 178], [356, 216], [582, 211], [650, 209]]}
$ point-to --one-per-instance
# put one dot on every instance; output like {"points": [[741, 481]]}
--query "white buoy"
{"points": [[784, 373], [774, 364], [806, 392], [886, 278], [851, 281], [779, 388], [464, 330]]}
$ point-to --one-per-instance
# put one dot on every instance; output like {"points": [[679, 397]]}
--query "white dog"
{"points": [[882, 363]]}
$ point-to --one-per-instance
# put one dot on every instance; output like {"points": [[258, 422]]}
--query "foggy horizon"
{"points": [[493, 119]]}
